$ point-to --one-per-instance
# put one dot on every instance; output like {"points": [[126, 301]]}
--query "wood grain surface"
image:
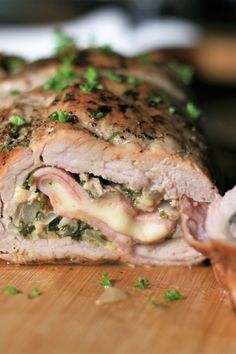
{"points": [[65, 320]]}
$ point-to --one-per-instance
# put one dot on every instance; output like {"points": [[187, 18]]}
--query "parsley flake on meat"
{"points": [[60, 116], [63, 42], [185, 72], [63, 77], [193, 111], [17, 120], [91, 77]]}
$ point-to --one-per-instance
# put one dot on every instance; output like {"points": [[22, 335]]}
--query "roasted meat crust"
{"points": [[137, 141]]}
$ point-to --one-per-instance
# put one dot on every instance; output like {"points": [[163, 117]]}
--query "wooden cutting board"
{"points": [[65, 320]]}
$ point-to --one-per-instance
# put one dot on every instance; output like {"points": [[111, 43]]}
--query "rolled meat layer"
{"points": [[96, 153]]}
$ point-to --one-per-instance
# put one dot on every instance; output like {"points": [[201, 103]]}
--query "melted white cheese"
{"points": [[114, 215]]}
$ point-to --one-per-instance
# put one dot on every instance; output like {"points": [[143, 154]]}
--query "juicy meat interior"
{"points": [[96, 151]]}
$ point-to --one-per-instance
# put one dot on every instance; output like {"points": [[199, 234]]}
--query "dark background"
{"points": [[215, 12], [217, 17]]}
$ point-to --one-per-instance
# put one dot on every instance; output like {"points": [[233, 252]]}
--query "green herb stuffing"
{"points": [[129, 192], [17, 120], [93, 195], [193, 111], [24, 229], [156, 304], [163, 214], [63, 42], [28, 182], [185, 72], [63, 77], [173, 295], [53, 225], [142, 283], [105, 282], [35, 293], [81, 180], [60, 116], [91, 77], [112, 136], [11, 290]]}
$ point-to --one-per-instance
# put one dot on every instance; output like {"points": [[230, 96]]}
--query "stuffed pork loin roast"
{"points": [[96, 152]]}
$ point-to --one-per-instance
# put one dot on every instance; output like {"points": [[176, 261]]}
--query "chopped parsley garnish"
{"points": [[35, 292], [163, 214], [129, 192], [171, 110], [111, 75], [13, 132], [185, 72], [11, 290], [105, 49], [91, 77], [63, 42], [105, 282], [142, 283], [28, 182], [99, 115], [101, 112], [193, 111], [8, 146], [155, 100], [156, 304], [131, 80], [144, 58], [60, 116], [63, 77], [15, 92], [69, 96], [173, 295], [17, 120]]}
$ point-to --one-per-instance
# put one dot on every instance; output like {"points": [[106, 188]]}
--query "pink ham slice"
{"points": [[44, 178], [210, 228]]}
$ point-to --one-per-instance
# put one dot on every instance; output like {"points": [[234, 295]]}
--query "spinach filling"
{"points": [[36, 220]]}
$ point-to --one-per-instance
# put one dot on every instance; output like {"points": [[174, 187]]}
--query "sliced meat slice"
{"points": [[112, 210], [210, 228], [132, 131]]}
